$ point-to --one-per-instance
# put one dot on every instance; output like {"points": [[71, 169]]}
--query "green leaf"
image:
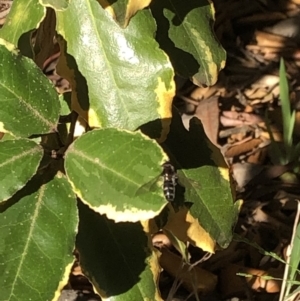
{"points": [[288, 122], [212, 202], [293, 270], [37, 239], [108, 169], [19, 160], [124, 10], [23, 16], [204, 174], [58, 5], [29, 102], [129, 78], [180, 246], [185, 32], [65, 101], [121, 264], [293, 253]]}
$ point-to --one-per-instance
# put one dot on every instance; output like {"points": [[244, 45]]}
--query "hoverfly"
{"points": [[170, 179]]}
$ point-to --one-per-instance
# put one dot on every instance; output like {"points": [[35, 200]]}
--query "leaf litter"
{"points": [[233, 113]]}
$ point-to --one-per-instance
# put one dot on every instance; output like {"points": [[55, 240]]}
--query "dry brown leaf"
{"points": [[207, 92], [265, 39], [246, 147], [245, 172], [258, 157], [235, 130], [208, 112], [239, 118], [239, 138], [263, 89], [230, 122], [4, 10]]}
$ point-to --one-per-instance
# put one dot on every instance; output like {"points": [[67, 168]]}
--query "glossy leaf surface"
{"points": [[110, 169], [19, 160], [37, 240], [29, 102], [128, 78], [124, 268]]}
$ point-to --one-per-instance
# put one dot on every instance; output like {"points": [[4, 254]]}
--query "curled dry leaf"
{"points": [[240, 118]]}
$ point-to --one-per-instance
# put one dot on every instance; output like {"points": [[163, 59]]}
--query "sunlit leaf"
{"points": [[37, 240], [29, 102], [185, 32], [19, 160], [128, 78], [108, 169], [24, 15]]}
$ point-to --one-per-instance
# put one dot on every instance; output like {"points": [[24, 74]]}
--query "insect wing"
{"points": [[151, 186], [185, 181]]}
